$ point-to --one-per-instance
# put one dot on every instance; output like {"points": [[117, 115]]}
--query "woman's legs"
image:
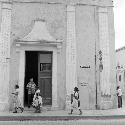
{"points": [[21, 108], [39, 109], [119, 101], [29, 100], [15, 108], [79, 107]]}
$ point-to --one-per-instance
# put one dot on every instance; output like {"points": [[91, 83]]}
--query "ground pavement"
{"points": [[62, 115], [73, 122]]}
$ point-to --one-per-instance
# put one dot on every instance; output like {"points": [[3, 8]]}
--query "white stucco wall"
{"points": [[86, 29]]}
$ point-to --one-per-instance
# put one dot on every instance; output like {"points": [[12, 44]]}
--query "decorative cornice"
{"points": [[102, 3], [39, 35], [6, 1], [7, 5]]}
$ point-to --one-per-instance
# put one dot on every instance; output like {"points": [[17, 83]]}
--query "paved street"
{"points": [[62, 115], [79, 122], [89, 117]]}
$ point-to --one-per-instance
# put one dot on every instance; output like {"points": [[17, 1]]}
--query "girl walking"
{"points": [[17, 102]]}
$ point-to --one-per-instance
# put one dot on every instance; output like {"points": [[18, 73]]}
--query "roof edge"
{"points": [[104, 3], [120, 49]]}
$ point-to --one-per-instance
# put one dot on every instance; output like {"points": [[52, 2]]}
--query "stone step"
{"points": [[39, 117], [44, 108], [57, 118]]}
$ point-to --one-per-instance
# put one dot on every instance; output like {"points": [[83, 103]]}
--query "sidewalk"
{"points": [[63, 115]]}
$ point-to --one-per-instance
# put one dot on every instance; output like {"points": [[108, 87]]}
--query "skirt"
{"points": [[75, 104], [17, 102]]}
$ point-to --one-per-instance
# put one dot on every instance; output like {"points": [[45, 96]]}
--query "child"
{"points": [[17, 102], [31, 87], [75, 102], [37, 101]]}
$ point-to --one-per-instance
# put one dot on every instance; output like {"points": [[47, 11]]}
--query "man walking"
{"points": [[119, 94], [31, 86]]}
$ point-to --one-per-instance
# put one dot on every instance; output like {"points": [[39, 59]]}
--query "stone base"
{"points": [[108, 102], [4, 107], [55, 108], [68, 105], [68, 102], [97, 107], [106, 105]]}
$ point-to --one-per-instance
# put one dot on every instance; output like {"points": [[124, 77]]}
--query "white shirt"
{"points": [[119, 92]]}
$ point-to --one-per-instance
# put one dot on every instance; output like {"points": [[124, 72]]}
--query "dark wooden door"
{"points": [[45, 76]]}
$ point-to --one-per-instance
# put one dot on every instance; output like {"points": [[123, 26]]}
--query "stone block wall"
{"points": [[85, 40]]}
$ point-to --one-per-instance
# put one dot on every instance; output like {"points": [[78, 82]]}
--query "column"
{"points": [[71, 80], [54, 80], [21, 74], [104, 47], [5, 54]]}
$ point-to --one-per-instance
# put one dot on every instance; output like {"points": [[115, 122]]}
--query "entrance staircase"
{"points": [[44, 108]]}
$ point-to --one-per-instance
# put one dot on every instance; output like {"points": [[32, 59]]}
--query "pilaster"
{"points": [[54, 81], [21, 74], [71, 80], [105, 84], [5, 35], [104, 47]]}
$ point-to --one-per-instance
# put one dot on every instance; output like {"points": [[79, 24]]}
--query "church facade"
{"points": [[61, 44]]}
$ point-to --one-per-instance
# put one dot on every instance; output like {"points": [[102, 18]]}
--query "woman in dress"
{"points": [[37, 101], [17, 102], [75, 102]]}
